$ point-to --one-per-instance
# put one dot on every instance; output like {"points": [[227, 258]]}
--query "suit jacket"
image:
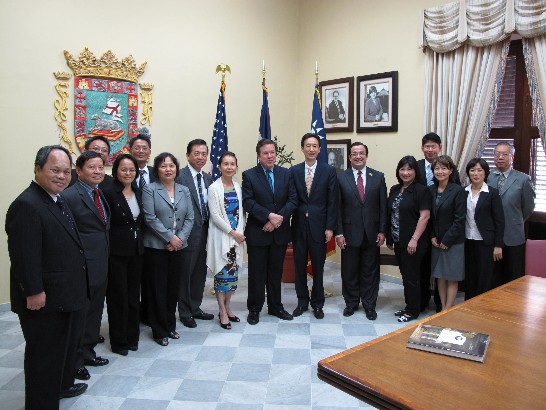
{"points": [[358, 220], [518, 203], [423, 171], [448, 216], [93, 232], [126, 233], [185, 178], [160, 214], [104, 184], [320, 207], [259, 201], [489, 217], [46, 254], [334, 112], [415, 198]]}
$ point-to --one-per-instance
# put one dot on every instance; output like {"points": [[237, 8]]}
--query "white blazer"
{"points": [[219, 241]]}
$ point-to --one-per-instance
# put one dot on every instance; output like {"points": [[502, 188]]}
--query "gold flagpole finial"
{"points": [[316, 72], [223, 68], [263, 70]]}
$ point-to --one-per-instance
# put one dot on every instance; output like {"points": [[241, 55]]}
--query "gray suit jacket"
{"points": [[185, 178], [518, 203], [357, 218], [160, 214]]}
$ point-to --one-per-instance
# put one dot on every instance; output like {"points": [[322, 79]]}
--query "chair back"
{"points": [[535, 265]]}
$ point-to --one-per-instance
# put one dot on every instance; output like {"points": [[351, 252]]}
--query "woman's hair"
{"points": [[160, 159], [475, 161], [447, 162], [411, 162], [227, 154], [118, 160]]}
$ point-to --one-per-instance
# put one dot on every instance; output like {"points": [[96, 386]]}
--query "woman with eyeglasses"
{"points": [[125, 261], [168, 215]]}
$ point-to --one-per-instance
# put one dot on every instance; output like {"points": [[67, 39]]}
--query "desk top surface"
{"points": [[513, 374]]}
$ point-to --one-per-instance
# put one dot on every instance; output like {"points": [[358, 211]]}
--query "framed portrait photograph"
{"points": [[337, 104], [377, 102], [338, 154]]}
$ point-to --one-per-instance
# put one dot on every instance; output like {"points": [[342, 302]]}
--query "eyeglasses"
{"points": [[358, 154], [501, 155], [140, 149], [128, 171], [99, 149]]}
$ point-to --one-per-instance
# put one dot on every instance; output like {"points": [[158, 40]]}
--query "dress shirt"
{"points": [[272, 174], [89, 190], [313, 168], [203, 187], [355, 174], [145, 174], [471, 229]]}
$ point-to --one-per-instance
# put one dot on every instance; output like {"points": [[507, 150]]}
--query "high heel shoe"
{"points": [[233, 318], [224, 326], [162, 341]]}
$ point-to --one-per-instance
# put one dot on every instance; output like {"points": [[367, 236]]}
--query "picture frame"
{"points": [[338, 154], [377, 102], [337, 104]]}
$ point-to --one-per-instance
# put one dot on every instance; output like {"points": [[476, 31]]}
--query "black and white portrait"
{"points": [[337, 104]]}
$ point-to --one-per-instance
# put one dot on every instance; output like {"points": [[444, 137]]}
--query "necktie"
{"points": [[360, 185], [66, 212], [270, 179], [142, 180], [96, 198], [500, 182], [204, 210], [430, 181], [309, 180]]}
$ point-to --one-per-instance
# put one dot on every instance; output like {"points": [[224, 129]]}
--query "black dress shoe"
{"points": [[133, 348], [282, 314], [73, 391], [120, 350], [101, 339], [371, 314], [348, 311], [82, 374], [97, 361], [188, 322], [253, 318], [299, 311], [203, 315], [319, 314]]}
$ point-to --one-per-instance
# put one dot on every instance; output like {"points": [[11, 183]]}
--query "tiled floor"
{"points": [[272, 365]]}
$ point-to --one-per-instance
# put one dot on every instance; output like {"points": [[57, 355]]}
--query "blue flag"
{"points": [[265, 122], [219, 134], [317, 126]]}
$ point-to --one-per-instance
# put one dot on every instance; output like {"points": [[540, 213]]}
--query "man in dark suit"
{"points": [[518, 203], [431, 145], [269, 198], [91, 214], [336, 112], [192, 285], [360, 232], [48, 280], [313, 222]]}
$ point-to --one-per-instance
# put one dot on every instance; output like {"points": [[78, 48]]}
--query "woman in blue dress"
{"points": [[226, 237]]}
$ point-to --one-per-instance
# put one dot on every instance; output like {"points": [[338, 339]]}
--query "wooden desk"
{"points": [[386, 374]]}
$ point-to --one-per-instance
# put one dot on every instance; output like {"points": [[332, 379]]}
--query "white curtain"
{"points": [[534, 50]]}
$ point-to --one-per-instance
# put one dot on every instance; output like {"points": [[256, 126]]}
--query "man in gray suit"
{"points": [[360, 231], [518, 202], [192, 285]]}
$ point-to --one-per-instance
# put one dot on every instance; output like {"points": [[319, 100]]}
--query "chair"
{"points": [[534, 258]]}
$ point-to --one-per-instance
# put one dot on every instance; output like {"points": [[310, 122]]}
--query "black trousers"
{"points": [[164, 269], [479, 268], [192, 283], [410, 268], [123, 300], [511, 266], [304, 247], [50, 355], [360, 275], [265, 271]]}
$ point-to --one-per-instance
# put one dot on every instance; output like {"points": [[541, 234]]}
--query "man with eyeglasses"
{"points": [[101, 146], [518, 202], [360, 232]]}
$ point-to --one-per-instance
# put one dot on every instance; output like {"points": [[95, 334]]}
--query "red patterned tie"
{"points": [[360, 185], [96, 197]]}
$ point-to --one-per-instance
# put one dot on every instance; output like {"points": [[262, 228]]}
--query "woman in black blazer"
{"points": [[408, 213], [484, 229], [447, 230], [126, 250]]}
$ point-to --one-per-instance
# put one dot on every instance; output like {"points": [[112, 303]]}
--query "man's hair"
{"points": [[194, 142], [506, 144], [141, 137], [43, 154], [98, 137], [309, 135], [86, 156], [358, 143], [334, 93], [264, 142], [432, 137], [160, 159], [475, 161]]}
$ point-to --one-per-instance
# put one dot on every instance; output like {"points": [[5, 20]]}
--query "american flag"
{"points": [[265, 121], [219, 134], [317, 126]]}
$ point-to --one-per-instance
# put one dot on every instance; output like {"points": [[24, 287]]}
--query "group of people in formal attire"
{"points": [[143, 238]]}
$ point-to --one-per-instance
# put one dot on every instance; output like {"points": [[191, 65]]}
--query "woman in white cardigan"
{"points": [[225, 239]]}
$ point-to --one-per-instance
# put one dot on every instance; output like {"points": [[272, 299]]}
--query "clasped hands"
{"points": [[274, 222], [175, 244]]}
